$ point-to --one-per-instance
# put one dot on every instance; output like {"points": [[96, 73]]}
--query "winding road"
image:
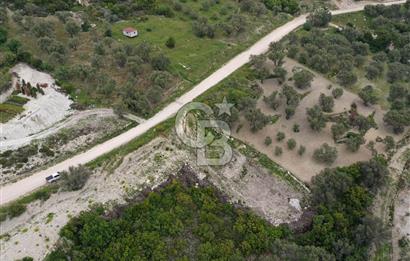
{"points": [[15, 190]]}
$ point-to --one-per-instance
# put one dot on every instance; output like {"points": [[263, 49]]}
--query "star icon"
{"points": [[224, 107]]}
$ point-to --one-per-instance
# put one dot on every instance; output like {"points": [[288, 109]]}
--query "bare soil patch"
{"points": [[78, 132], [304, 167], [36, 231]]}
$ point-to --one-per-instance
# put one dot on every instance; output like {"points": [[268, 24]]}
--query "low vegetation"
{"points": [[18, 207], [75, 178], [12, 107]]}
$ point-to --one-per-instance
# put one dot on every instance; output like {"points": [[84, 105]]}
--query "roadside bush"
{"points": [[320, 17], [75, 178], [325, 154]]}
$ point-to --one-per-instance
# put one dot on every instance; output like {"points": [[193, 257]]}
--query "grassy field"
{"points": [[357, 19], [191, 60], [12, 107]]}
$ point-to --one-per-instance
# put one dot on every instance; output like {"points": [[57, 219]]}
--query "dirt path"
{"points": [[69, 121], [15, 190]]}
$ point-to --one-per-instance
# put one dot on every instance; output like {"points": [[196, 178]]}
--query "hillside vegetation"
{"points": [[179, 43], [182, 221]]}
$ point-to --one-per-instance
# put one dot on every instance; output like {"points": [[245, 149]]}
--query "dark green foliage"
{"points": [[268, 141], [337, 93], [72, 28], [178, 222], [389, 143], [368, 95], [3, 35], [325, 154], [316, 118], [170, 43], [353, 141], [160, 62], [291, 144], [273, 100], [326, 103], [75, 178], [288, 6], [320, 17], [344, 224], [301, 150], [346, 77], [202, 28], [280, 136], [292, 100], [278, 151], [398, 117], [374, 70], [338, 129], [257, 119], [303, 79]]}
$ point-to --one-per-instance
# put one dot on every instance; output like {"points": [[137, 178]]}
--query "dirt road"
{"points": [[13, 191]]}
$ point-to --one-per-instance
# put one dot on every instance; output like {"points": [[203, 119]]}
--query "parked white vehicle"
{"points": [[52, 178]]}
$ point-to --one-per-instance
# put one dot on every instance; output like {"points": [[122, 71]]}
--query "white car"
{"points": [[53, 177]]}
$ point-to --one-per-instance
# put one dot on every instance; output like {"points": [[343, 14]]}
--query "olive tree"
{"points": [[320, 17], [316, 118], [326, 103], [368, 95], [337, 93], [325, 154], [302, 78]]}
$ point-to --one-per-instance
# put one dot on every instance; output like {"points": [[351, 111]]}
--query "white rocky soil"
{"points": [[40, 113]]}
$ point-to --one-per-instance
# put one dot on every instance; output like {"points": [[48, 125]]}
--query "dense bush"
{"points": [[178, 222], [75, 178]]}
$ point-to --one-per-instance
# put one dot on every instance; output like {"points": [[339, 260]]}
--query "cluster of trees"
{"points": [[398, 117], [344, 224], [177, 222], [182, 221], [340, 52]]}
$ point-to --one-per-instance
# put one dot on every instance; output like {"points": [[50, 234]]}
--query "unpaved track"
{"points": [[13, 191]]}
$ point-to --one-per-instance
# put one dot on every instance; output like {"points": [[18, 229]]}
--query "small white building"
{"points": [[130, 32]]}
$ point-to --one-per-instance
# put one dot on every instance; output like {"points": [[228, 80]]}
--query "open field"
{"points": [[100, 66]]}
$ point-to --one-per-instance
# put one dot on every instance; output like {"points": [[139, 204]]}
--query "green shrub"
{"points": [[291, 144], [280, 136], [75, 178]]}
